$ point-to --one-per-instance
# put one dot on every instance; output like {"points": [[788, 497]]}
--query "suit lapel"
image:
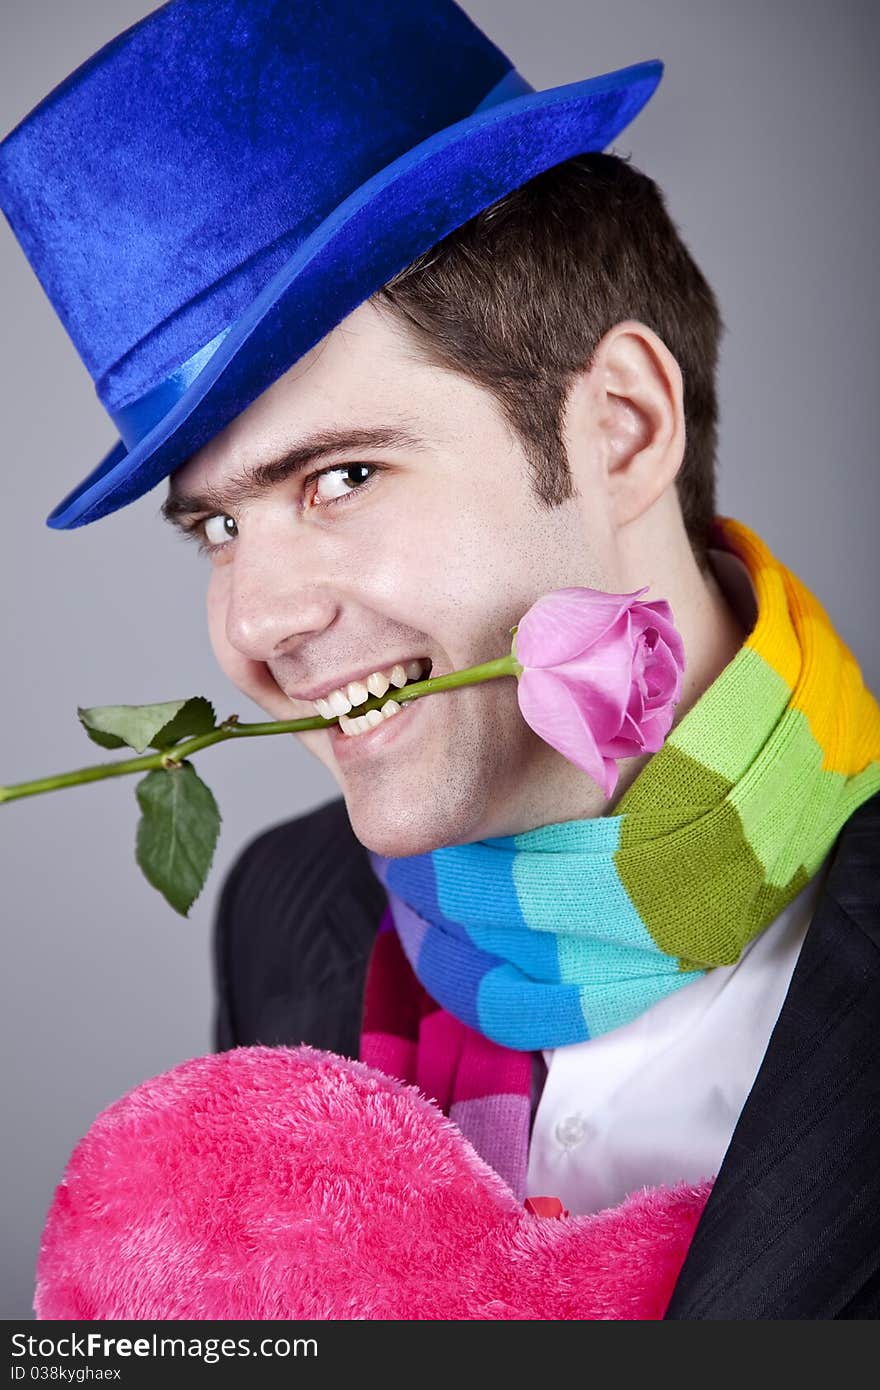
{"points": [[792, 1226]]}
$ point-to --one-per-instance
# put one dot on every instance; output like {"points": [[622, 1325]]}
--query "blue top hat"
{"points": [[218, 187]]}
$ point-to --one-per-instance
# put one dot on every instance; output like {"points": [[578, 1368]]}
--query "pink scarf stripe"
{"points": [[498, 1128], [393, 1055], [483, 1087]]}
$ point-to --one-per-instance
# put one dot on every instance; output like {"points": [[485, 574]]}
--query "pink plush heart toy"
{"points": [[279, 1182]]}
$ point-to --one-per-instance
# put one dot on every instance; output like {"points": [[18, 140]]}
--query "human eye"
{"points": [[337, 483], [212, 536], [333, 485]]}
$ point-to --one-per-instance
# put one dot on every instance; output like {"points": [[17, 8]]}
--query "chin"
{"points": [[405, 833]]}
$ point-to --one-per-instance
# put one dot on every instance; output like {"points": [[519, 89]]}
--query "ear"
{"points": [[633, 396]]}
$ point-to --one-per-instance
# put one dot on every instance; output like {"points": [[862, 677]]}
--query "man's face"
{"points": [[369, 558]]}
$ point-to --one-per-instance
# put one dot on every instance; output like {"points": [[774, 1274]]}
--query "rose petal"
{"points": [[602, 674], [563, 624], [658, 614], [629, 743], [641, 666], [655, 726], [663, 676], [552, 709], [601, 678], [663, 679], [635, 710]]}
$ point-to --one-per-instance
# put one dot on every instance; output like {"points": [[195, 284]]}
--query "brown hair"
{"points": [[518, 298]]}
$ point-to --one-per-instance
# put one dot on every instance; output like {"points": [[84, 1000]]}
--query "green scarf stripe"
{"points": [[728, 726], [789, 806], [738, 785], [703, 918]]}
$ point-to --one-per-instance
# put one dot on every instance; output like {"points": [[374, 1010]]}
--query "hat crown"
{"points": [[160, 186]]}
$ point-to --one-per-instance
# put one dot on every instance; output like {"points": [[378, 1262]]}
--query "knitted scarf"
{"points": [[490, 951]]}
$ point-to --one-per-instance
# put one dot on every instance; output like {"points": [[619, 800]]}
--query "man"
{"points": [[399, 405], [305, 602]]}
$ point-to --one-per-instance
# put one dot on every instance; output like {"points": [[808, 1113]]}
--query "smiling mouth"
{"points": [[343, 703], [363, 723], [348, 697]]}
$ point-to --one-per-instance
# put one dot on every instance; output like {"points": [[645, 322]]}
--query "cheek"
{"points": [[452, 569]]}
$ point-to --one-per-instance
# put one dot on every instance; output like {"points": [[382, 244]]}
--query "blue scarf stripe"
{"points": [[411, 928], [586, 912], [605, 1008], [494, 923], [439, 884], [595, 836], [450, 970], [509, 1007], [414, 880], [536, 956], [457, 868], [584, 898], [613, 964]]}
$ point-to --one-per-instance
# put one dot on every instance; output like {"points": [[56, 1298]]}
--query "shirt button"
{"points": [[571, 1131]]}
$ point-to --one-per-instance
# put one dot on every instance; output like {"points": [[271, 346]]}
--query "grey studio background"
{"points": [[762, 134]]}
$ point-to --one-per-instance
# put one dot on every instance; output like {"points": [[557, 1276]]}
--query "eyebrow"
{"points": [[257, 478]]}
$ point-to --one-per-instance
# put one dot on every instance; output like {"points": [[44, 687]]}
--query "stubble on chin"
{"points": [[397, 817], [450, 798]]}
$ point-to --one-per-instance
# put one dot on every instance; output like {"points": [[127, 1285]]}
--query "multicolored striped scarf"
{"points": [[493, 950]]}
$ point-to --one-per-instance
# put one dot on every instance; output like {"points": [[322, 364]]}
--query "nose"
{"points": [[277, 598]]}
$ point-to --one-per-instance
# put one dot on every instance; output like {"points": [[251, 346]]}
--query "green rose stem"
{"points": [[232, 729]]}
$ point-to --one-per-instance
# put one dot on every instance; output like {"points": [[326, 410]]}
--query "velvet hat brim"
{"points": [[382, 227]]}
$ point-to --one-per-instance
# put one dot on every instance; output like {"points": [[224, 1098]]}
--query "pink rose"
{"points": [[601, 676]]}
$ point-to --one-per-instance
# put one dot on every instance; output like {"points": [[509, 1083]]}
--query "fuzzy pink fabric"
{"points": [[279, 1182]]}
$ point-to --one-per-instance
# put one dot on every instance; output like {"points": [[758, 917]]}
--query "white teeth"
{"points": [[342, 701], [353, 726], [338, 702], [377, 683], [357, 692], [370, 720]]}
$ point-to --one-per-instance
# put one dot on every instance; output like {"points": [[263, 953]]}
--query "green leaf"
{"points": [[177, 833], [138, 726], [196, 717], [98, 735]]}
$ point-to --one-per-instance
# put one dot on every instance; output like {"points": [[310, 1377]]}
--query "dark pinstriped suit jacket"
{"points": [[792, 1227]]}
